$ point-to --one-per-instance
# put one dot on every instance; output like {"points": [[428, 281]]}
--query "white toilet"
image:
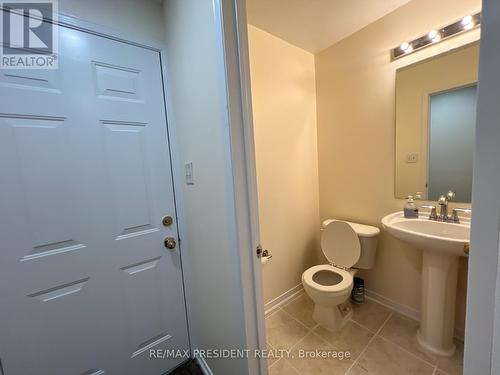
{"points": [[347, 247]]}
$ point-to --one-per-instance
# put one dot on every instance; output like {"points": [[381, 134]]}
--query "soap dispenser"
{"points": [[410, 209]]}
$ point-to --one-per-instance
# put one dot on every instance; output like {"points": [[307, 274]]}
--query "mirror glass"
{"points": [[435, 122]]}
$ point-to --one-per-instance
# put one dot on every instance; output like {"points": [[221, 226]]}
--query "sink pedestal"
{"points": [[443, 244], [439, 289]]}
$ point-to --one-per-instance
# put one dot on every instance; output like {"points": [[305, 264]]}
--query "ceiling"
{"points": [[314, 25]]}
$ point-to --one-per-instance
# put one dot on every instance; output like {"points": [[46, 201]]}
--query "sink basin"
{"points": [[442, 244], [429, 235]]}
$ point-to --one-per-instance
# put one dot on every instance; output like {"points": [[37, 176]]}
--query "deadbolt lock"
{"points": [[170, 243], [167, 221]]}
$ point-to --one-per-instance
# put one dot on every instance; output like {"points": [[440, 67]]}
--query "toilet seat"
{"points": [[341, 287], [340, 244]]}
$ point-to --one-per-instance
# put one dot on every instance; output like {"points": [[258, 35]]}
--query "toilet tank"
{"points": [[368, 237]]}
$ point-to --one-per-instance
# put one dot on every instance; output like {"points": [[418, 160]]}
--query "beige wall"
{"points": [[284, 111], [355, 82], [414, 86]]}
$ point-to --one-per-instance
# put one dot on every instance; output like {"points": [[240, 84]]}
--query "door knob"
{"points": [[170, 243], [167, 220]]}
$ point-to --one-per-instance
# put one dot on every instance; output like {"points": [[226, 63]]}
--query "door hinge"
{"points": [[259, 251]]}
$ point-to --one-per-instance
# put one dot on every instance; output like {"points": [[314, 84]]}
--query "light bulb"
{"points": [[404, 46], [434, 36], [467, 20]]}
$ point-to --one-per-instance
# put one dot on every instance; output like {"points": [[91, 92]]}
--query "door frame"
{"points": [[76, 23], [482, 328], [233, 24]]}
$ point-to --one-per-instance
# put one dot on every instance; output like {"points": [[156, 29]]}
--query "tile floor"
{"points": [[380, 341]]}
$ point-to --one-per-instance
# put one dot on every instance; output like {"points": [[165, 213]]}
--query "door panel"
{"points": [[117, 82], [125, 152], [88, 287], [37, 170]]}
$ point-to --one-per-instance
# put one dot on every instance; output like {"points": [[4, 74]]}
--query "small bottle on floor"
{"points": [[358, 291]]}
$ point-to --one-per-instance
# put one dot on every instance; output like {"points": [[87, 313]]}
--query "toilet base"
{"points": [[333, 318]]}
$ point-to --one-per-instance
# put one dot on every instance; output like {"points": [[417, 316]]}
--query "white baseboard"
{"points": [[204, 365], [404, 310], [283, 299]]}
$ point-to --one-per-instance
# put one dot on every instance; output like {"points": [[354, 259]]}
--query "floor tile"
{"points": [[403, 331], [370, 315], [453, 365], [312, 343], [396, 352], [282, 367], [352, 338], [358, 370], [283, 331], [302, 309], [271, 359], [385, 358]]}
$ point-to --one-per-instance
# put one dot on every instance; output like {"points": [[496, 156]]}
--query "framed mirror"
{"points": [[435, 123]]}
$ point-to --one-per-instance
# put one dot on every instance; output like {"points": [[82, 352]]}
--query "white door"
{"points": [[86, 284]]}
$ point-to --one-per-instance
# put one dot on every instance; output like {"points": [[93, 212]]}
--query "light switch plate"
{"points": [[188, 169], [411, 158]]}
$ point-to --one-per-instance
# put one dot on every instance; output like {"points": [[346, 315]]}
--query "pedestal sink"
{"points": [[442, 245]]}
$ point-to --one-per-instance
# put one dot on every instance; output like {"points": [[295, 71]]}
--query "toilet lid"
{"points": [[340, 244]]}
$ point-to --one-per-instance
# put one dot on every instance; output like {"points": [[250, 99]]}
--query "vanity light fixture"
{"points": [[434, 36]]}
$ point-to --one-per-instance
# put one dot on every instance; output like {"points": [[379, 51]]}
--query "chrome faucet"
{"points": [[443, 207], [443, 201]]}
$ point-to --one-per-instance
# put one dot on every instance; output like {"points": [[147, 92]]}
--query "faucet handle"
{"points": [[454, 214], [433, 213], [445, 198], [450, 195]]}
